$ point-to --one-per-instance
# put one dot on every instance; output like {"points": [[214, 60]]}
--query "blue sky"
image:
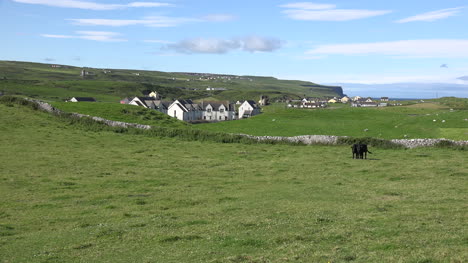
{"points": [[341, 41]]}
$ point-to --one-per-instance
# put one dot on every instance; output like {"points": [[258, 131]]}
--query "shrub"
{"points": [[374, 142], [450, 144]]}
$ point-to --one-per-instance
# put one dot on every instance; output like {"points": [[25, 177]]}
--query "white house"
{"points": [[369, 104], [185, 110], [152, 94], [248, 109], [82, 99], [218, 111], [146, 102], [151, 103], [345, 99]]}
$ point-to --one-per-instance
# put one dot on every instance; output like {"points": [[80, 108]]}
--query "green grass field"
{"points": [[414, 121], [124, 113], [73, 195]]}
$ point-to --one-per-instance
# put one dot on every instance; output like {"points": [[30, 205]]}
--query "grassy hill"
{"points": [[73, 195], [413, 121], [109, 85]]}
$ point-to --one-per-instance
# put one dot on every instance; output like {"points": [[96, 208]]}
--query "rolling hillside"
{"points": [[71, 194], [47, 81]]}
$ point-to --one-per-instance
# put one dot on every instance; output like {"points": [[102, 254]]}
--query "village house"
{"points": [[125, 101], [264, 101], [369, 104], [313, 100], [356, 98], [82, 99], [151, 103], [384, 99], [145, 102], [222, 89], [313, 105], [334, 100], [185, 110], [248, 109], [152, 94], [363, 103], [218, 111], [345, 99]]}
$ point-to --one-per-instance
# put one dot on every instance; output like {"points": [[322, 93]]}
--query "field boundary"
{"points": [[244, 138]]}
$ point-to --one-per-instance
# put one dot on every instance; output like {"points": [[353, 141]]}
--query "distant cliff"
{"points": [[338, 90]]}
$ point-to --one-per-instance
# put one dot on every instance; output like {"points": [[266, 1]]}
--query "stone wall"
{"points": [[414, 143], [305, 139]]}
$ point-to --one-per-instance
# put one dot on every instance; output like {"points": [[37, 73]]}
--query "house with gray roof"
{"points": [[218, 111], [82, 99], [248, 109]]}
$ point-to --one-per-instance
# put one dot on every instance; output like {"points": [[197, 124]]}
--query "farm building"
{"points": [[82, 99]]}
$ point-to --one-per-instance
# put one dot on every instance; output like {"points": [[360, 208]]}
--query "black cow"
{"points": [[360, 151], [356, 149]]}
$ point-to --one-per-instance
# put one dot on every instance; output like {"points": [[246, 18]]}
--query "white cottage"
{"points": [[151, 103], [218, 111], [248, 109], [185, 110], [82, 99]]}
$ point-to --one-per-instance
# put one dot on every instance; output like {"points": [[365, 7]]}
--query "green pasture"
{"points": [[414, 121], [121, 112], [72, 195]]}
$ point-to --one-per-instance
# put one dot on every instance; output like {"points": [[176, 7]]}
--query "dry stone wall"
{"points": [[305, 139]]}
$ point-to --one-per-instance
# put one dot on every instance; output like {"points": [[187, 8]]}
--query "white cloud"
{"points": [[221, 46], [432, 16], [219, 17], [333, 14], [200, 45], [260, 44], [152, 21], [324, 12], [431, 48], [91, 5], [102, 36], [56, 36], [308, 5], [147, 4]]}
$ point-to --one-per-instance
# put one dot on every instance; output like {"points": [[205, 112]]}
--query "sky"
{"points": [[360, 44]]}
